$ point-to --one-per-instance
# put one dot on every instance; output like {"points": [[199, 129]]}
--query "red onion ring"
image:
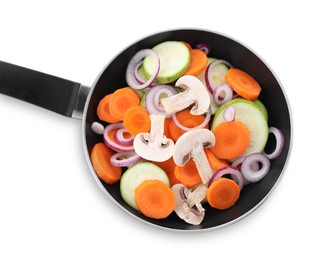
{"points": [[279, 138], [237, 164], [238, 161], [97, 128], [168, 91], [205, 47], [113, 144], [136, 73], [222, 89], [134, 63], [209, 71], [235, 174], [202, 125], [229, 114], [152, 100], [125, 159], [120, 139], [247, 167]]}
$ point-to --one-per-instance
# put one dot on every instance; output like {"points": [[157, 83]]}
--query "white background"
{"points": [[51, 206]]}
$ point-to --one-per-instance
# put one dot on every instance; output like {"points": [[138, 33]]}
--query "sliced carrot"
{"points": [[188, 174], [121, 100], [232, 139], [215, 163], [243, 84], [223, 193], [100, 158], [199, 62], [111, 135], [166, 126], [103, 110], [169, 167], [187, 45], [137, 120], [155, 199], [186, 119]]}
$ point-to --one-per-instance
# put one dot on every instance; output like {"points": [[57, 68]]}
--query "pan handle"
{"points": [[59, 95]]}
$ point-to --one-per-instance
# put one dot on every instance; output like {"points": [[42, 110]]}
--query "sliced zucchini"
{"points": [[135, 175], [174, 61], [248, 113]]}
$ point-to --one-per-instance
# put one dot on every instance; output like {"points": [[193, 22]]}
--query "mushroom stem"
{"points": [[178, 102], [157, 128], [202, 163]]}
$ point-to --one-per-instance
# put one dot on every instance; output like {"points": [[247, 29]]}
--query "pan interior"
{"points": [[272, 95]]}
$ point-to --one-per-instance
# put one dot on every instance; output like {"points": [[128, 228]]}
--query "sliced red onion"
{"points": [[112, 143], [121, 139], [137, 77], [237, 164], [250, 172], [209, 70], [134, 64], [168, 91], [279, 139], [98, 128], [235, 174], [125, 159], [152, 100], [239, 161], [229, 114], [222, 93], [205, 47], [202, 125]]}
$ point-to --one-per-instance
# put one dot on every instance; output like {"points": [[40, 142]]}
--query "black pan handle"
{"points": [[56, 94]]}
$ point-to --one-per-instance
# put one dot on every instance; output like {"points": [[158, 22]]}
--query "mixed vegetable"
{"points": [[189, 128]]}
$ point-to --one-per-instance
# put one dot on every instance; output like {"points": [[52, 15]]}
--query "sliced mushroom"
{"points": [[154, 146], [191, 145], [188, 203], [195, 93]]}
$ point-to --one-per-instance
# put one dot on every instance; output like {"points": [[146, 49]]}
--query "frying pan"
{"points": [[72, 99]]}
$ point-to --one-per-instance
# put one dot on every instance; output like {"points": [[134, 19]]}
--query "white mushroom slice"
{"points": [[192, 213], [196, 195], [191, 145], [195, 93], [154, 146]]}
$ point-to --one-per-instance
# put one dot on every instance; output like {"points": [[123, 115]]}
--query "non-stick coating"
{"points": [[113, 77]]}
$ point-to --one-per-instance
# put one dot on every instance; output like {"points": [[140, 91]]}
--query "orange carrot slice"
{"points": [[223, 193], [188, 174], [185, 118], [100, 159], [137, 120], [166, 127], [155, 199], [121, 100], [103, 110], [215, 163], [243, 84], [169, 168], [199, 62], [232, 139]]}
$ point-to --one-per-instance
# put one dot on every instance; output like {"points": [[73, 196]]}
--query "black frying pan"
{"points": [[74, 100]]}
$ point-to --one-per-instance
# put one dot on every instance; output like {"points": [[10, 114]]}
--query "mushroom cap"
{"points": [[153, 151], [189, 140], [202, 97]]}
